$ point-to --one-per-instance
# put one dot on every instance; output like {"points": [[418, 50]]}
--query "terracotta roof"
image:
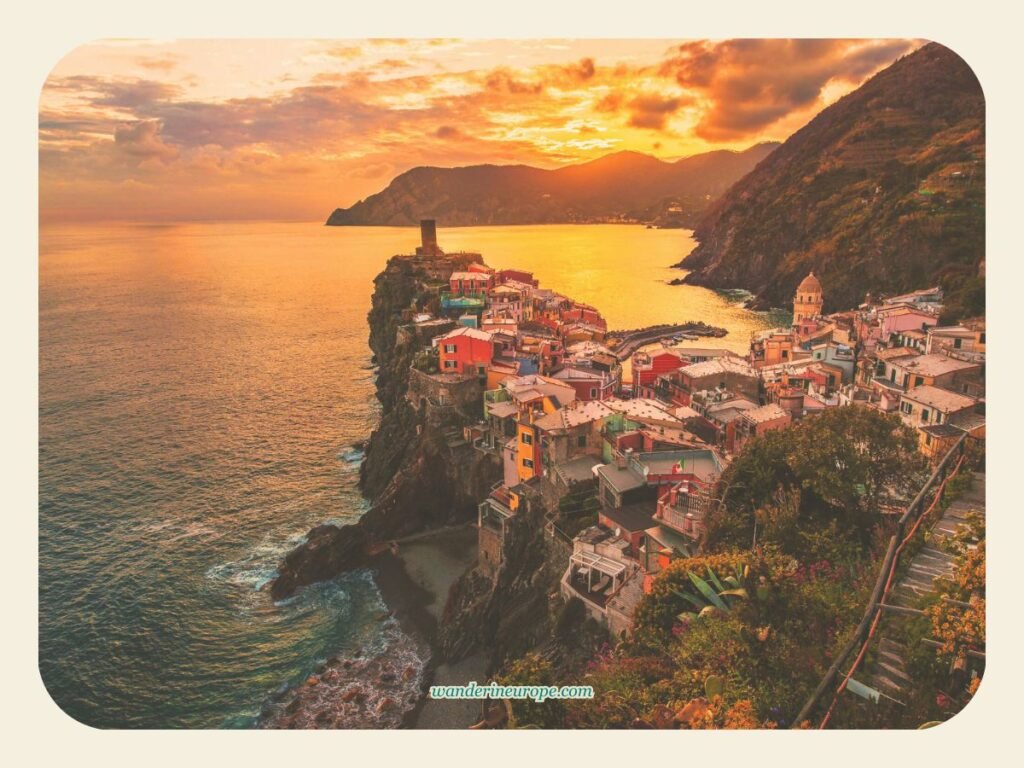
{"points": [[502, 410], [942, 430], [717, 367], [463, 330], [933, 365], [764, 413], [892, 353], [942, 399], [640, 408], [573, 416], [809, 284]]}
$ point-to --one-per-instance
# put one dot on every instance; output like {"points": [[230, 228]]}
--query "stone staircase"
{"points": [[889, 674]]}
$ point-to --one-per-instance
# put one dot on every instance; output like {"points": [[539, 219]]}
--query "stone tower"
{"points": [[808, 301], [428, 239]]}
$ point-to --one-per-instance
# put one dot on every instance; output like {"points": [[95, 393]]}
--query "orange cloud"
{"points": [[323, 124]]}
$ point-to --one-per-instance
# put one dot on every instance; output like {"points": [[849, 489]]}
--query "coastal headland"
{"points": [[427, 474]]}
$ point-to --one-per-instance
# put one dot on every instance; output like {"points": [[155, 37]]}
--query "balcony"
{"points": [[686, 523]]}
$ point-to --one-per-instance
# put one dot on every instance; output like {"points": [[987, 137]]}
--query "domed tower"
{"points": [[808, 301]]}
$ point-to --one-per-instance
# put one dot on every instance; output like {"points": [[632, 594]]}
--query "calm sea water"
{"points": [[200, 387]]}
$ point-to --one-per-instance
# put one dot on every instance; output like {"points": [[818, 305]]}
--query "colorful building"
{"points": [[465, 351], [469, 283], [648, 366]]}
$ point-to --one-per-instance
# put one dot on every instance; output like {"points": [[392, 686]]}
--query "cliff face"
{"points": [[883, 191], [508, 614], [416, 476], [626, 184]]}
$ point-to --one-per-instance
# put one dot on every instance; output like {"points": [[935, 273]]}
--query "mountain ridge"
{"points": [[626, 185], [882, 191]]}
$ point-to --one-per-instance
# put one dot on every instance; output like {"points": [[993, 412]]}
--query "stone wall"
{"points": [[445, 399]]}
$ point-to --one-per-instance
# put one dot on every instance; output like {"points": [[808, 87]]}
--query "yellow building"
{"points": [[808, 301], [528, 454]]}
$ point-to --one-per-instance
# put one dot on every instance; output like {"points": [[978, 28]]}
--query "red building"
{"points": [[584, 314], [465, 350], [648, 366]]}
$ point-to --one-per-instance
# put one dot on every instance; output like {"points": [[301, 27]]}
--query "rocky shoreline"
{"points": [[425, 480], [387, 688]]}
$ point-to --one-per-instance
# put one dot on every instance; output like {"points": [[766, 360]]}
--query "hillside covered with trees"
{"points": [[883, 191], [739, 635], [628, 185]]}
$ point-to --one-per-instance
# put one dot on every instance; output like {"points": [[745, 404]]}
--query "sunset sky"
{"points": [[289, 129]]}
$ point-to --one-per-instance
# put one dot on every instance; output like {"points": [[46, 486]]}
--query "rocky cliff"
{"points": [[417, 476], [507, 614], [883, 191]]}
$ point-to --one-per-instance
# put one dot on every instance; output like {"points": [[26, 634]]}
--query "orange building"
{"points": [[771, 349]]}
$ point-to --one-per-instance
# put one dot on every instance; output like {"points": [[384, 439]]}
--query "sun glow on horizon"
{"points": [[196, 129]]}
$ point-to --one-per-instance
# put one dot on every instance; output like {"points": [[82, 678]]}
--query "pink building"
{"points": [[903, 318], [589, 383]]}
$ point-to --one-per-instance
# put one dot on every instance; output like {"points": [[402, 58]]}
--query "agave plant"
{"points": [[713, 592]]}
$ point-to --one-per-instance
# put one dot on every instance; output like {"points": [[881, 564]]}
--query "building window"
{"points": [[918, 381], [924, 415], [927, 439], [526, 438], [449, 364], [906, 407], [528, 463], [593, 392], [957, 343], [450, 349], [581, 441]]}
